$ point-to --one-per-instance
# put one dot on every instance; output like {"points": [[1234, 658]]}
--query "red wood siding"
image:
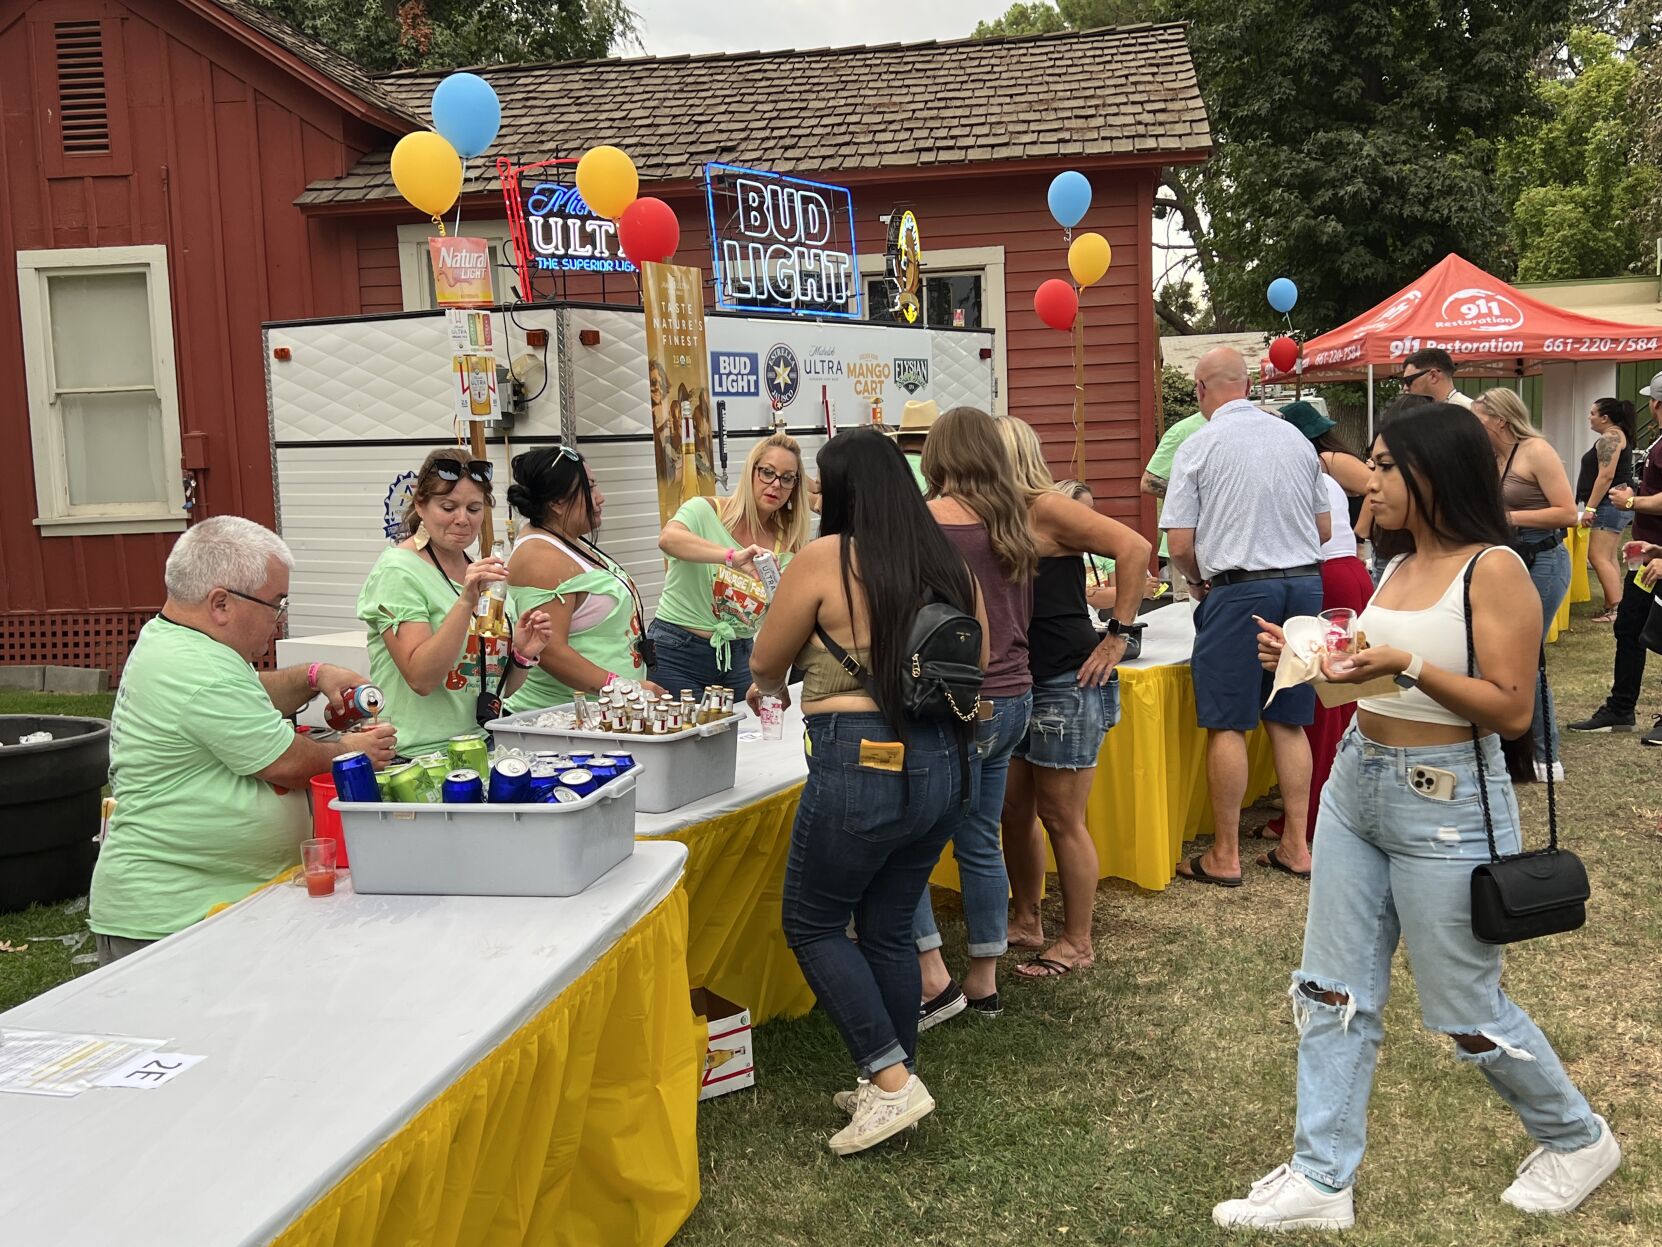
{"points": [[1122, 394], [211, 144]]}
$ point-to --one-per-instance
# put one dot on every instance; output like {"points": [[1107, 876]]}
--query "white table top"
{"points": [[327, 1024], [770, 766]]}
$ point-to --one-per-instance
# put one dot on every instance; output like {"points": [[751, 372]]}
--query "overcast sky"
{"points": [[672, 26]]}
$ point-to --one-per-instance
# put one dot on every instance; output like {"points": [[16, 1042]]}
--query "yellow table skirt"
{"points": [[735, 881], [1150, 792], [580, 1129], [1581, 590]]}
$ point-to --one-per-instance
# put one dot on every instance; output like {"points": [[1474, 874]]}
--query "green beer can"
{"points": [[409, 785], [469, 753]]}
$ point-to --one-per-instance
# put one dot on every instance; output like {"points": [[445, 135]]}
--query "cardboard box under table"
{"points": [[382, 1070]]}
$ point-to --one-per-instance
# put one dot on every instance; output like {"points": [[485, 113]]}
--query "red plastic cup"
{"points": [[326, 822]]}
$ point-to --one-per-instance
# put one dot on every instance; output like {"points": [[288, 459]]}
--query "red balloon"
{"points": [[1284, 354], [1057, 303], [648, 230]]}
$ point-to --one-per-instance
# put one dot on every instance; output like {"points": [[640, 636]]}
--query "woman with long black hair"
{"points": [[592, 603], [884, 790], [1402, 825], [1607, 465]]}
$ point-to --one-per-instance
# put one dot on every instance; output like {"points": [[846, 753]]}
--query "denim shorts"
{"points": [[1610, 517], [1230, 687], [1069, 722]]}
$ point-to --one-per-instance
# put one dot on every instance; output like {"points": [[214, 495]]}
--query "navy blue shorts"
{"points": [[1230, 686]]}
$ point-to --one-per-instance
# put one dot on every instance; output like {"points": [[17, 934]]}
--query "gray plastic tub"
{"points": [[674, 770], [545, 849]]}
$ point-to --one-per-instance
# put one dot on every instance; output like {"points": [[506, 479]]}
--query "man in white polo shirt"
{"points": [[1246, 513]]}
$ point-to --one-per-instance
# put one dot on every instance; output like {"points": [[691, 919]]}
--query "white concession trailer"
{"points": [[355, 404]]}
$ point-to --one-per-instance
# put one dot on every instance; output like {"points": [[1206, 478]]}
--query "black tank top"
{"points": [[1061, 637], [1590, 469]]}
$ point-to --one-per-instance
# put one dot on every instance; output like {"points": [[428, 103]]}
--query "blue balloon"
{"points": [[467, 113], [1282, 295], [1070, 198]]}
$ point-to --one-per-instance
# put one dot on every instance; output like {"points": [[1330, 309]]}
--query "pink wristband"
{"points": [[730, 554], [311, 676]]}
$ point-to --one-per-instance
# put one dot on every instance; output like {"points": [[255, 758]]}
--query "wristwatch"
{"points": [[1116, 628], [1410, 677], [1631, 499]]}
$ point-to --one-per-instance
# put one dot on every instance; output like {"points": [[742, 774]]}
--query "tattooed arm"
{"points": [[1609, 445]]}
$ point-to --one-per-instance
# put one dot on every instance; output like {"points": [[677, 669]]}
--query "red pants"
{"points": [[1345, 582]]}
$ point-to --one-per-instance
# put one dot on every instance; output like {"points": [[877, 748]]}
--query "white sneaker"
{"points": [[1285, 1200], [1557, 772], [846, 1100], [880, 1114], [1557, 1182]]}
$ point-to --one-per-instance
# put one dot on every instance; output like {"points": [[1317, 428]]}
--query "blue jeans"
{"points": [[1069, 722], [862, 847], [1551, 574], [1394, 863], [975, 842], [686, 660]]}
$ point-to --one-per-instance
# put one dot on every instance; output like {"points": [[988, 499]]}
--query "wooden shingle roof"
{"points": [[1088, 95]]}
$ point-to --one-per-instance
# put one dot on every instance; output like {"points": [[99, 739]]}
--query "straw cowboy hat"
{"points": [[917, 418]]}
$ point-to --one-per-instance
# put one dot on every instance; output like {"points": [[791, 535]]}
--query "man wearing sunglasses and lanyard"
{"points": [[1431, 372], [208, 773]]}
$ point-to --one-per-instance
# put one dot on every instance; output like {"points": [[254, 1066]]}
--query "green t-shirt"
{"points": [[1160, 462], [192, 827], [708, 597], [915, 462], [406, 587], [1097, 571]]}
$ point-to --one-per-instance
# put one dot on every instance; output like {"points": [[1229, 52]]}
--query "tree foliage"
{"points": [[1585, 196], [1045, 19], [443, 34], [1177, 396]]}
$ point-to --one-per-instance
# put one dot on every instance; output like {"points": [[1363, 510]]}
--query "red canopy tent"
{"points": [[1491, 330]]}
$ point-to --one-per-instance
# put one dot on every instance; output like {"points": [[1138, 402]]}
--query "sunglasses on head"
{"points": [[452, 469]]}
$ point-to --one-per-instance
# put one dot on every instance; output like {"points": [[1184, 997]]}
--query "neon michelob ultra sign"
{"points": [[782, 244], [563, 233]]}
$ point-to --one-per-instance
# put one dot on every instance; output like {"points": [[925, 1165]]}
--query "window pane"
{"points": [[100, 329], [953, 302], [879, 295], [113, 443]]}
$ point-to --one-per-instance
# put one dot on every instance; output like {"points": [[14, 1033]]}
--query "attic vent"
{"points": [[83, 106]]}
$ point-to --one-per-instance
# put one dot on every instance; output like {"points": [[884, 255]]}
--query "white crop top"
{"points": [[1437, 634]]}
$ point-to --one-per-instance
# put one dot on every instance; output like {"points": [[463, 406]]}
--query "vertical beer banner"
{"points": [[678, 373]]}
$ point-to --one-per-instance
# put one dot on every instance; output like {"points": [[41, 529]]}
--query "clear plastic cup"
{"points": [[1339, 636], [773, 718], [317, 858], [1633, 554]]}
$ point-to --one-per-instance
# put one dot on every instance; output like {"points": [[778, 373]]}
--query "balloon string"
{"points": [[439, 221], [459, 197]]}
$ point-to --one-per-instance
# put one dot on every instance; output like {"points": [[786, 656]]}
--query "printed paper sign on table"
{"points": [[678, 375]]}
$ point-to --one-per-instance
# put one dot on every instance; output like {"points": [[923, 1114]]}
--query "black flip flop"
{"points": [[1198, 875], [1052, 968], [1274, 862]]}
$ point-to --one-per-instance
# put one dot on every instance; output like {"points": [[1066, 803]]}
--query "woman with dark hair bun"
{"points": [[884, 789], [430, 652], [1403, 824], [1607, 465], [591, 602]]}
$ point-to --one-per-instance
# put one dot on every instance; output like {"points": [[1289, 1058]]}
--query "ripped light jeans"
{"points": [[1392, 862]]}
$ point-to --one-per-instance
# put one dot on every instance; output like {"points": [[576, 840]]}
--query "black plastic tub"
{"points": [[49, 807]]}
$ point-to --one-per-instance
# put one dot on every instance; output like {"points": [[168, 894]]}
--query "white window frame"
{"points": [[946, 261], [55, 516], [413, 265]]}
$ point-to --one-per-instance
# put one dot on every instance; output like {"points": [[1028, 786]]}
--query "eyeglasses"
{"points": [[452, 469], [1408, 378], [787, 479], [281, 605]]}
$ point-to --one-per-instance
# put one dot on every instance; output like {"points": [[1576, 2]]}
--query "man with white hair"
{"points": [[209, 775]]}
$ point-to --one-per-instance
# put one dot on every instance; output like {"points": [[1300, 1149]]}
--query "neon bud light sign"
{"points": [[782, 244], [564, 234]]}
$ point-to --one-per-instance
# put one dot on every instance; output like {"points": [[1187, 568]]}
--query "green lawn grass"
{"points": [[1118, 1105]]}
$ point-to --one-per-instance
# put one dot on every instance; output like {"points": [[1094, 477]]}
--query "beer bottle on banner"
{"points": [[689, 454]]}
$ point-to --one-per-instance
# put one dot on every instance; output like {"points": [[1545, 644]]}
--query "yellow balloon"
{"points": [[427, 172], [607, 181], [1088, 259]]}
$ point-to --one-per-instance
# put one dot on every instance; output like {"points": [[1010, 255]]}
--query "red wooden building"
{"points": [[176, 172]]}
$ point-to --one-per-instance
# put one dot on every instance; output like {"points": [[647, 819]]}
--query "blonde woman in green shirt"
{"points": [[420, 603], [592, 604], [713, 598]]}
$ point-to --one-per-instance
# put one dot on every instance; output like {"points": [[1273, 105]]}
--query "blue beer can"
{"points": [[603, 769], [579, 781], [580, 757], [623, 760], [544, 778], [463, 787], [510, 782], [563, 796], [355, 778]]}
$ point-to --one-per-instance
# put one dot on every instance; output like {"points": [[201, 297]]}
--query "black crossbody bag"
{"points": [[1523, 895]]}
